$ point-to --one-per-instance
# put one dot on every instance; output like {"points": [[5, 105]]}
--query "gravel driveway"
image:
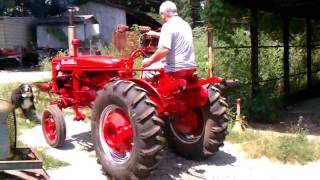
{"points": [[229, 163], [23, 76]]}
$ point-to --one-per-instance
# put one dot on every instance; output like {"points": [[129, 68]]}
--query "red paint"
{"points": [[50, 129], [117, 131]]}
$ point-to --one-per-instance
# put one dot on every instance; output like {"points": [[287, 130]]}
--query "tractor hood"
{"points": [[85, 62], [98, 61]]}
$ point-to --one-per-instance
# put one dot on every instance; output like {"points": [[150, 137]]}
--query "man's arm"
{"points": [[157, 56], [153, 34]]}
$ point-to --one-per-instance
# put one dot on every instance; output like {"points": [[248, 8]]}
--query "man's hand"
{"points": [[153, 34], [146, 62]]}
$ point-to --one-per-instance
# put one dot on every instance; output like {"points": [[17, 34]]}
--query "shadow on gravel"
{"points": [[173, 166], [67, 145], [84, 140]]}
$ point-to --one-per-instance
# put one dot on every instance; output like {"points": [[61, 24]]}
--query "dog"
{"points": [[22, 97]]}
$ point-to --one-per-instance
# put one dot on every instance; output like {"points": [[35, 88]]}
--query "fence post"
{"points": [[309, 55], [254, 55], [286, 65], [210, 51]]}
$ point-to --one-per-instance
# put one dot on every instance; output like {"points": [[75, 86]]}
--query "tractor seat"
{"points": [[183, 73]]}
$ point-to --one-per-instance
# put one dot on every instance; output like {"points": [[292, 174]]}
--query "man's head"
{"points": [[167, 10]]}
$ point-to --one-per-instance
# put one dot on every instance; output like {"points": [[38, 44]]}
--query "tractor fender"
{"points": [[153, 93]]}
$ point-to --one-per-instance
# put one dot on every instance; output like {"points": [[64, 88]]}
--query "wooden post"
{"points": [[286, 65], [254, 52], [309, 55], [210, 42], [210, 52]]}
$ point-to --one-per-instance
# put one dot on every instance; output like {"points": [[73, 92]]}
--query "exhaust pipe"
{"points": [[71, 29]]}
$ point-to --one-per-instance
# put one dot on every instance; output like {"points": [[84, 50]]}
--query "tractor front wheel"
{"points": [[211, 122], [126, 131], [53, 126]]}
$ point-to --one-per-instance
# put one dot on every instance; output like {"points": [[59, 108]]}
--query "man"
{"points": [[175, 44]]}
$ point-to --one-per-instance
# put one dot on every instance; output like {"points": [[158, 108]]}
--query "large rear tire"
{"points": [[214, 130], [124, 105], [53, 126]]}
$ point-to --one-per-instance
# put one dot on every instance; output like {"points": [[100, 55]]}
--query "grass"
{"points": [[49, 162], [6, 88], [294, 148]]}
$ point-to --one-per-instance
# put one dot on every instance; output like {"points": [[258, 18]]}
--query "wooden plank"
{"points": [[309, 55], [34, 161], [286, 65]]}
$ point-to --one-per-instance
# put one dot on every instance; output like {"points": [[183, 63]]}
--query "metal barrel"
{"points": [[5, 150]]}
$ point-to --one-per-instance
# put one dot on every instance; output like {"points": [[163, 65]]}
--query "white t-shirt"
{"points": [[176, 35]]}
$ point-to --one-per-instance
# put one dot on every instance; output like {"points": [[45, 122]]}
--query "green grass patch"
{"points": [[293, 148], [6, 88], [238, 138], [49, 162]]}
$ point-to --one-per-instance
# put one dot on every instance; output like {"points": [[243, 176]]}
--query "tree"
{"points": [[44, 8], [13, 8]]}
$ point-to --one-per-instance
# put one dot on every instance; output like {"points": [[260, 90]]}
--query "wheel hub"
{"points": [[189, 123], [117, 131], [50, 128]]}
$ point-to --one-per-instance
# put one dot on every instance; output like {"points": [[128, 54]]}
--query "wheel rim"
{"points": [[189, 127], [115, 134], [50, 129]]}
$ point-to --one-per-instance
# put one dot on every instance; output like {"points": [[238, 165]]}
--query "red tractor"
{"points": [[133, 118]]}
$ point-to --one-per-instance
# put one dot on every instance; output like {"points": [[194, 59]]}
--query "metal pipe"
{"points": [[71, 29]]}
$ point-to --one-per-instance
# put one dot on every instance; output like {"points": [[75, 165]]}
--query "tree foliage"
{"points": [[45, 8], [13, 8]]}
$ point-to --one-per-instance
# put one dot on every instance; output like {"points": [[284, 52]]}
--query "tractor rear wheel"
{"points": [[213, 123], [53, 126], [126, 131]]}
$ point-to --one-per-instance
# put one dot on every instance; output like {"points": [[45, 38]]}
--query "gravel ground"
{"points": [[229, 163], [23, 76]]}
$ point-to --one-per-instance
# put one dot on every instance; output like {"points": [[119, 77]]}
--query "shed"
{"points": [[110, 15], [15, 32], [52, 32]]}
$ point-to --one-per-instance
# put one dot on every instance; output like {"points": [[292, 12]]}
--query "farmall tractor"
{"points": [[133, 118]]}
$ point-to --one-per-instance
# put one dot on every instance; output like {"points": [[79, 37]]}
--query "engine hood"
{"points": [[88, 62], [98, 61]]}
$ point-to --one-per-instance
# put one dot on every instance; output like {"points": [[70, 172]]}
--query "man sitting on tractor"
{"points": [[175, 45]]}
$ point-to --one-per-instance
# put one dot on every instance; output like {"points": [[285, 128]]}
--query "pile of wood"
{"points": [[126, 39]]}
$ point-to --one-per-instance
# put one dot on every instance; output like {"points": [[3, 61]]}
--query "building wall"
{"points": [[45, 37], [107, 17], [15, 32]]}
